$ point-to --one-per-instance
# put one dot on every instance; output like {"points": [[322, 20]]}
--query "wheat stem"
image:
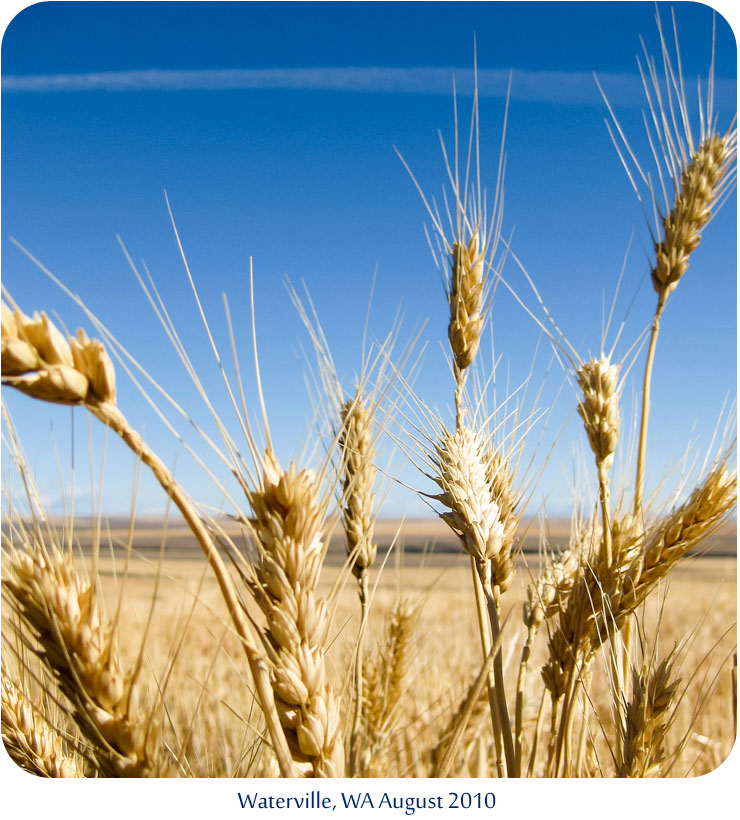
{"points": [[498, 671], [537, 733], [484, 631], [520, 686], [356, 736], [642, 445]]}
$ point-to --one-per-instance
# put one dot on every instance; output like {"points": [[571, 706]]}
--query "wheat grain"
{"points": [[37, 359], [91, 359]]}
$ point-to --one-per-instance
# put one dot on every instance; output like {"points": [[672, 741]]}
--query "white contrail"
{"points": [[561, 87], [575, 87]]}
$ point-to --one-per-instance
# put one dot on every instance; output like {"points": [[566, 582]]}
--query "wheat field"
{"points": [[438, 664]]}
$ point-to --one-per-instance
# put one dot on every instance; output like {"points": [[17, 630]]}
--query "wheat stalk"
{"points": [[697, 189], [355, 441], [605, 594], [694, 172], [599, 409], [546, 598], [583, 592], [475, 517]]}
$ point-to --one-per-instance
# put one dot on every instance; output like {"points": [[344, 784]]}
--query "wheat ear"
{"points": [[288, 520], [465, 297], [358, 481], [696, 192], [578, 602], [81, 372], [466, 493], [583, 592], [604, 595], [77, 644], [694, 172], [671, 539], [464, 725], [30, 740], [647, 719], [384, 685], [38, 360]]}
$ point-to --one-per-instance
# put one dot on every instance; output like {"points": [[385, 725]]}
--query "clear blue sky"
{"points": [[272, 126]]}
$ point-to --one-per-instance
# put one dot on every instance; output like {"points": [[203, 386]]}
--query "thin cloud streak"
{"points": [[572, 88]]}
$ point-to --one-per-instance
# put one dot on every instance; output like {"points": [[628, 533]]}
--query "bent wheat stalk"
{"points": [[53, 372]]}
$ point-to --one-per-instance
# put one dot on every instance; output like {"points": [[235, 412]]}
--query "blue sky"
{"points": [[272, 127]]}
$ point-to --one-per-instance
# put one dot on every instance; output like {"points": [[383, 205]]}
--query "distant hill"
{"points": [[414, 536]]}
